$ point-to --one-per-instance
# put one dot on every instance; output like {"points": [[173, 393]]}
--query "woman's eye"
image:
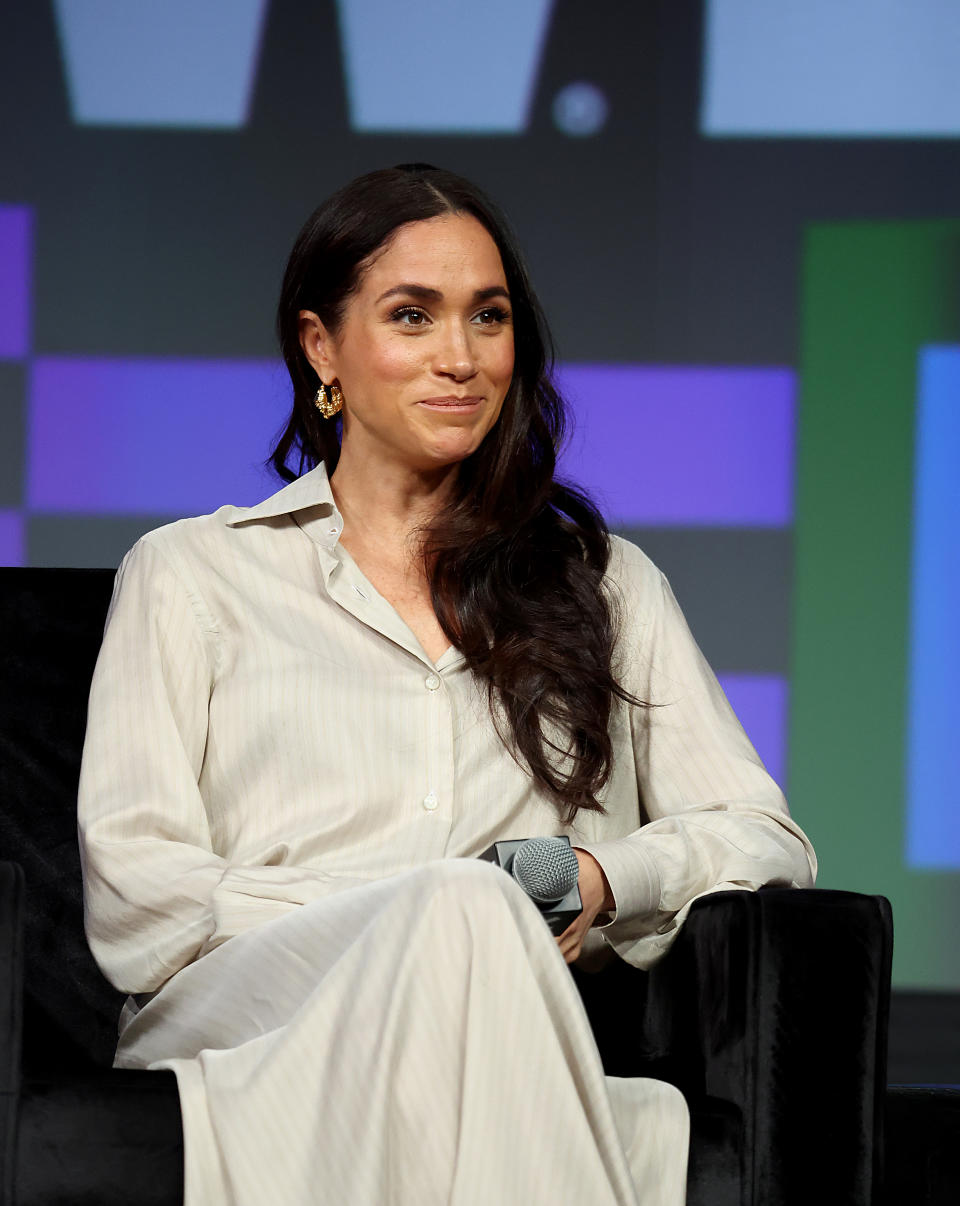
{"points": [[492, 315], [409, 316]]}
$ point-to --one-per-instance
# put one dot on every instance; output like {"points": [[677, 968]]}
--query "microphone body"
{"points": [[545, 872]]}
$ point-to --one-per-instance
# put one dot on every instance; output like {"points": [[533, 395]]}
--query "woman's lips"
{"points": [[451, 403]]}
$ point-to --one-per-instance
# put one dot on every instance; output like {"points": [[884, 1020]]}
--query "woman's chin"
{"points": [[451, 451]]}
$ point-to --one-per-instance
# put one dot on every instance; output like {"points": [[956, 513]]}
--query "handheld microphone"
{"points": [[547, 869]]}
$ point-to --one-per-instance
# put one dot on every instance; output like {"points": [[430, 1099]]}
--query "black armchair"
{"points": [[769, 1013]]}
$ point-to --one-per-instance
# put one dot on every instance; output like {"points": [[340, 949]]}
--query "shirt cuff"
{"points": [[633, 878]]}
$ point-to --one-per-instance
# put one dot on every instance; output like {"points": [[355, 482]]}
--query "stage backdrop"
{"points": [[744, 222]]}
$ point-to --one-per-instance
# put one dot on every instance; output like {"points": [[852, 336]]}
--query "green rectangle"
{"points": [[873, 294]]}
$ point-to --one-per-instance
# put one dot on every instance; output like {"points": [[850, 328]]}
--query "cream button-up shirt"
{"points": [[265, 730]]}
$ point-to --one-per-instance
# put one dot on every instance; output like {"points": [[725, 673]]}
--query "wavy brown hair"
{"points": [[516, 559]]}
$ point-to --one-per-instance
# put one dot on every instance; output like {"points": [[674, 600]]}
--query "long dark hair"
{"points": [[516, 559]]}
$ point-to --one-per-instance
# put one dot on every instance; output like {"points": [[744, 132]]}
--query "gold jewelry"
{"points": [[329, 407]]}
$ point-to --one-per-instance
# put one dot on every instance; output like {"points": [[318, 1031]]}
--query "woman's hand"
{"points": [[596, 897]]}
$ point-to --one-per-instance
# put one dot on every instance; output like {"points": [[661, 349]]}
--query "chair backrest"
{"points": [[51, 624]]}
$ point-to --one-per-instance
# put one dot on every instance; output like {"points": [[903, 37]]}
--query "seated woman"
{"points": [[310, 716]]}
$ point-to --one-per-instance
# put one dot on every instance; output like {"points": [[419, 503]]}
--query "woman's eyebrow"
{"points": [[425, 293], [492, 291]]}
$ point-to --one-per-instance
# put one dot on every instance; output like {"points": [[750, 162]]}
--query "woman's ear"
{"points": [[317, 345]]}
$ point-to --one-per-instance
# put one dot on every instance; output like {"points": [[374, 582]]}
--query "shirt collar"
{"points": [[310, 490]]}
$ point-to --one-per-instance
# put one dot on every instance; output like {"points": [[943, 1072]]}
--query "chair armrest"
{"points": [[777, 1002], [112, 1137], [11, 1018]]}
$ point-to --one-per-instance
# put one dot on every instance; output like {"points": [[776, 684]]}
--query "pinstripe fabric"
{"points": [[280, 801]]}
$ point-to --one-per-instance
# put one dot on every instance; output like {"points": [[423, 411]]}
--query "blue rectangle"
{"points": [[823, 69], [441, 67], [178, 63], [933, 770]]}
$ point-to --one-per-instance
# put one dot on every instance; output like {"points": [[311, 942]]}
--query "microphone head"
{"points": [[546, 869]]}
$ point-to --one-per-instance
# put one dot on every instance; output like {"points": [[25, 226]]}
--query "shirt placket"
{"points": [[431, 792], [438, 798]]}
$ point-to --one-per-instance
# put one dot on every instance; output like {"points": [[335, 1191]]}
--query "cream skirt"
{"points": [[414, 1041]]}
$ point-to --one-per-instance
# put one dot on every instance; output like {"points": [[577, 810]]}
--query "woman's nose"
{"points": [[454, 354]]}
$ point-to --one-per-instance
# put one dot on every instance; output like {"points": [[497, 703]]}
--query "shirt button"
{"points": [[430, 801], [431, 682]]}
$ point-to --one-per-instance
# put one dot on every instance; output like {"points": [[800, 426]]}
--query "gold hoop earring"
{"points": [[328, 407]]}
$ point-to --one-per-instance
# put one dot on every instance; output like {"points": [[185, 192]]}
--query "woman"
{"points": [[310, 716]]}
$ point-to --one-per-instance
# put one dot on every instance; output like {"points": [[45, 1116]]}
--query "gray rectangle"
{"points": [[734, 585], [86, 541]]}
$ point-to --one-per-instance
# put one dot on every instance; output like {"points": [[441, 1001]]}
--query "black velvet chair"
{"points": [[769, 1013]]}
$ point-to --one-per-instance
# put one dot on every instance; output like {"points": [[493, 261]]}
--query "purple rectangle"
{"points": [[12, 543], [16, 258], [761, 702], [170, 437], [661, 446]]}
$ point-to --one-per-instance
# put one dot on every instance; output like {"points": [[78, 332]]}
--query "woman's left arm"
{"points": [[714, 817]]}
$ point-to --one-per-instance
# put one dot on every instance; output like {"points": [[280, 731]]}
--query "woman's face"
{"points": [[424, 353]]}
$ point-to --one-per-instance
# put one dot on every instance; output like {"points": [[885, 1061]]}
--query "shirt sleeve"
{"points": [[156, 895], [714, 819]]}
